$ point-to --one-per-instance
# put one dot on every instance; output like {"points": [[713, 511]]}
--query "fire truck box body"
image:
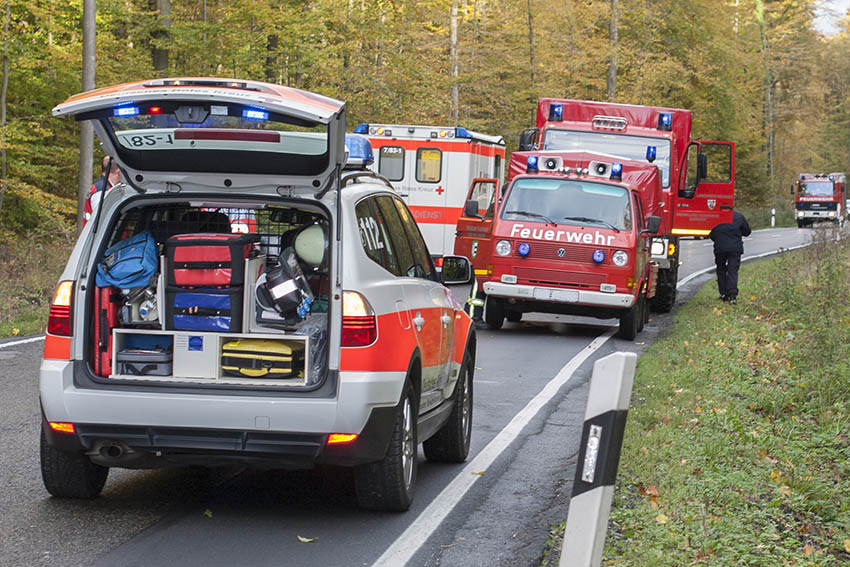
{"points": [[431, 168]]}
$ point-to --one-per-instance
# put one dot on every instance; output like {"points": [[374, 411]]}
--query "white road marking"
{"points": [[417, 533], [21, 342]]}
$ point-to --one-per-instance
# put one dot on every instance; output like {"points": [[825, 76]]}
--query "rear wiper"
{"points": [[534, 215], [594, 221]]}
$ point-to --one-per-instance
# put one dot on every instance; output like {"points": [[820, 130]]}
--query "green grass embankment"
{"points": [[737, 447]]}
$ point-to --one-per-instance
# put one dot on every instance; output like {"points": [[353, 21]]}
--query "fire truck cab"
{"points": [[431, 168], [819, 197], [571, 236]]}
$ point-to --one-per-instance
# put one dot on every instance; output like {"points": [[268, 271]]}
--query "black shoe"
{"points": [[723, 298], [480, 325], [733, 301]]}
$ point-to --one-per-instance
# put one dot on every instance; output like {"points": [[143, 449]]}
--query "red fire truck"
{"points": [[819, 197], [697, 177], [571, 236], [431, 168]]}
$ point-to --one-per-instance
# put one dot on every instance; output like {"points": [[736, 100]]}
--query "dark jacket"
{"points": [[728, 237]]}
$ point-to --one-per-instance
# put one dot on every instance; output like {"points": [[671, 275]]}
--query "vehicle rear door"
{"points": [[473, 238], [705, 203]]}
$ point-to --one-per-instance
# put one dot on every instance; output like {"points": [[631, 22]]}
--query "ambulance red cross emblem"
{"points": [[440, 190]]}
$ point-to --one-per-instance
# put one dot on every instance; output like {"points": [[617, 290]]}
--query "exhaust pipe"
{"points": [[112, 451]]}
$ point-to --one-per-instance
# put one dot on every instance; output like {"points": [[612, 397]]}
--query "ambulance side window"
{"points": [[391, 162], [405, 263], [429, 165], [374, 236], [423, 265]]}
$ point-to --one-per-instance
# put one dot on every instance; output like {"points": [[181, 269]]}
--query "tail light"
{"points": [[62, 427], [59, 321], [438, 262], [341, 438], [359, 324]]}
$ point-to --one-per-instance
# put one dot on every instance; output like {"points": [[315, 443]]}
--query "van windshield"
{"points": [[568, 201], [217, 138], [616, 145]]}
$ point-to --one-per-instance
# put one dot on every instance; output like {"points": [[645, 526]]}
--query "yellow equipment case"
{"points": [[262, 358]]}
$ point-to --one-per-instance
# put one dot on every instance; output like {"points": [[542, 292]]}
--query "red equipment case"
{"points": [[207, 260], [107, 302]]}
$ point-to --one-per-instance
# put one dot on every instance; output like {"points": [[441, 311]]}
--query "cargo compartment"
{"points": [[208, 316]]}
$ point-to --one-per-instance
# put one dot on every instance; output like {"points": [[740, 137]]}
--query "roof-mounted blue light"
{"points": [[531, 166], [254, 114], [616, 171], [665, 121], [125, 111], [461, 132], [556, 112], [523, 249], [362, 128], [359, 151], [651, 153], [598, 256]]}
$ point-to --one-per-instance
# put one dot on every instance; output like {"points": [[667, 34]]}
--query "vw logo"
{"points": [[562, 252]]}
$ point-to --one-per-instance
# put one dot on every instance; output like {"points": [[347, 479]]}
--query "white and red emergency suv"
{"points": [[432, 168]]}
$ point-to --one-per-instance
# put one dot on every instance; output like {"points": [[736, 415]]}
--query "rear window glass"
{"points": [[391, 162], [223, 138]]}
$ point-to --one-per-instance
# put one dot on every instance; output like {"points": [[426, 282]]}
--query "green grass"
{"points": [[737, 447], [29, 272]]}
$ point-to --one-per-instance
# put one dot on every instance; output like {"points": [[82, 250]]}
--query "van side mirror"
{"points": [[528, 139], [653, 224], [702, 166], [470, 209], [456, 270]]}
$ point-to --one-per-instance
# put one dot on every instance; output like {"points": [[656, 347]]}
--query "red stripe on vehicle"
{"points": [[57, 348], [436, 215], [394, 347], [458, 146]]}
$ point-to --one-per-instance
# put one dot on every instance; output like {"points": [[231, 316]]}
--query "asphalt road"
{"points": [[496, 510]]}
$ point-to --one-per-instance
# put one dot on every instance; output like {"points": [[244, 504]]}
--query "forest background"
{"points": [[753, 71]]}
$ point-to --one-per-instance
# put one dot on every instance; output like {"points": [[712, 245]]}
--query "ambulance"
{"points": [[431, 168]]}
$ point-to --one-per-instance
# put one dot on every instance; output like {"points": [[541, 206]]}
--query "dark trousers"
{"points": [[727, 272]]}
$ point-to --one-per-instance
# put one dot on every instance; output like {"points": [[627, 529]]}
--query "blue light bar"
{"points": [[531, 164], [616, 171], [126, 111], [556, 112], [362, 128], [665, 121], [359, 151], [253, 114], [461, 132], [651, 153], [523, 249], [598, 256]]}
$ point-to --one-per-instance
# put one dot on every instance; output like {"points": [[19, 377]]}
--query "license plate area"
{"points": [[560, 295]]}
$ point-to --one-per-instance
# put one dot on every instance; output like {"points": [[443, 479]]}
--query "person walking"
{"points": [[728, 241]]}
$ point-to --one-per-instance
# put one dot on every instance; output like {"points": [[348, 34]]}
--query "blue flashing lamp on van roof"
{"points": [[461, 132], [359, 151], [665, 121], [556, 112], [531, 166], [651, 153], [362, 128], [617, 171]]}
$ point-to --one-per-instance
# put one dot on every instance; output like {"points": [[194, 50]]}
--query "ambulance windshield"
{"points": [[816, 188], [615, 145], [552, 200]]}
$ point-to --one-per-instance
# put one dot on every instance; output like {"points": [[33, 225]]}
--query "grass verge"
{"points": [[737, 447], [29, 271]]}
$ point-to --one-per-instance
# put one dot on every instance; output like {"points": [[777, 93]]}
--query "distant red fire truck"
{"points": [[819, 197]]}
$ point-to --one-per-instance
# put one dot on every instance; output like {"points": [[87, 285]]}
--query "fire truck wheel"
{"points": [[800, 224], [494, 313], [665, 291], [513, 316], [629, 323], [643, 312]]}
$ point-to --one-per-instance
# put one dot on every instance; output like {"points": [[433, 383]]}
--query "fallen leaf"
{"points": [[16, 331], [661, 519], [478, 473], [208, 513], [785, 490], [652, 490], [808, 549], [303, 539], [847, 545]]}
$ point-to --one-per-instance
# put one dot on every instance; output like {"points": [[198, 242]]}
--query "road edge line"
{"points": [[21, 342]]}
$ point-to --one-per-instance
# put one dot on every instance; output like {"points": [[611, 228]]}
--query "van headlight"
{"points": [[658, 247], [620, 258], [503, 248]]}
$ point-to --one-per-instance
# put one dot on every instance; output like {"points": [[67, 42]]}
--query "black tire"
{"points": [[513, 316], [70, 475], [800, 224], [642, 311], [665, 290], [451, 443], [629, 322], [494, 313], [390, 483]]}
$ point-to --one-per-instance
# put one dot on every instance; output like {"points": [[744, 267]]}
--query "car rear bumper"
{"points": [[208, 428]]}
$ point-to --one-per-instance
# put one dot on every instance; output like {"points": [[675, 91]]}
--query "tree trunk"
{"points": [[86, 133], [612, 59], [3, 91], [161, 34], [769, 119], [531, 58], [453, 116], [272, 44]]}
